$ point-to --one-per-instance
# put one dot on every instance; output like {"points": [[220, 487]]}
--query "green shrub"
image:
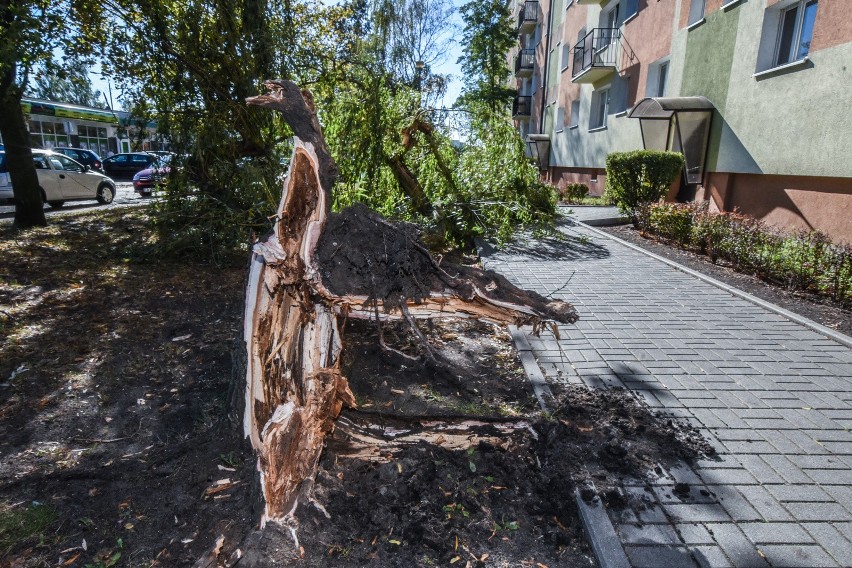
{"points": [[574, 192], [639, 177], [672, 221], [806, 260]]}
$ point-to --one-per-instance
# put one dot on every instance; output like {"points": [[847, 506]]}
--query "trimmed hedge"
{"points": [[805, 260], [640, 177]]}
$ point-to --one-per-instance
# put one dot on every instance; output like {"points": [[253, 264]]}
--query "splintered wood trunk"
{"points": [[314, 268], [294, 388]]}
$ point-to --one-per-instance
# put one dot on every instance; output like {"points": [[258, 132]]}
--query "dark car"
{"points": [[126, 165], [85, 157], [147, 180]]}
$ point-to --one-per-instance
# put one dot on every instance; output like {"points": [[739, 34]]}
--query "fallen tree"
{"points": [[315, 269]]}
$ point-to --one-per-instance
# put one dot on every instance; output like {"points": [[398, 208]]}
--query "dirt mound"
{"points": [[429, 472], [360, 253]]}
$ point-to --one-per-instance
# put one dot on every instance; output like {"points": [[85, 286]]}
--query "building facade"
{"points": [[755, 93], [56, 125]]}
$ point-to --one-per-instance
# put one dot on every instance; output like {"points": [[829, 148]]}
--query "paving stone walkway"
{"points": [[773, 397]]}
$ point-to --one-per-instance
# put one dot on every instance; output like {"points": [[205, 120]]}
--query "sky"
{"points": [[448, 67]]}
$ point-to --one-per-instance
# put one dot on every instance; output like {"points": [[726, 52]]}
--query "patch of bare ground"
{"points": [[817, 308], [120, 446]]}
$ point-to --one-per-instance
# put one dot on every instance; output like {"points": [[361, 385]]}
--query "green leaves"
{"points": [[489, 34], [640, 177]]}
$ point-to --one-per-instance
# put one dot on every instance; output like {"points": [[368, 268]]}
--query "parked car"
{"points": [[147, 180], [61, 179], [85, 157], [126, 165]]}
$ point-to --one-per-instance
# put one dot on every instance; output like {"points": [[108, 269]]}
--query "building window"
{"points": [[696, 11], [658, 75], [661, 79], [600, 108], [47, 134], [575, 114], [631, 8], [94, 138], [788, 27], [795, 32]]}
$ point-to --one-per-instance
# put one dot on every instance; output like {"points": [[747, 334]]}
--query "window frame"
{"points": [[600, 108], [574, 119], [691, 19], [792, 55]]}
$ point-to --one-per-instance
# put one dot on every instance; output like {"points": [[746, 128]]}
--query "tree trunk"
{"points": [[315, 267], [29, 207]]}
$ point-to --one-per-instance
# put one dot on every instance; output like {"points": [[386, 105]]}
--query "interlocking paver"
{"points": [[833, 539], [739, 549], [798, 556], [776, 533], [774, 398]]}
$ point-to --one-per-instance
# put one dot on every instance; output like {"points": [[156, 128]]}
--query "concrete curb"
{"points": [[596, 522], [525, 353], [605, 542], [819, 328]]}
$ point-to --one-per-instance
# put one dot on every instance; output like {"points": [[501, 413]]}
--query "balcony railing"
{"points": [[525, 63], [528, 17], [601, 52], [522, 107]]}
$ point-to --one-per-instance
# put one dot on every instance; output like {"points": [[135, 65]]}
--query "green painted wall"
{"points": [[795, 122], [710, 50]]}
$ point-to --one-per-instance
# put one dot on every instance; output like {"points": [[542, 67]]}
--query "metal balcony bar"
{"points": [[528, 16], [522, 106], [525, 61], [601, 52]]}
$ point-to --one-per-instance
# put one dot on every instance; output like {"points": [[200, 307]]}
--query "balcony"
{"points": [[591, 2], [522, 108], [525, 63], [601, 53], [528, 17]]}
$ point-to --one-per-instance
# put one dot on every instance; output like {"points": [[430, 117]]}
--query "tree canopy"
{"points": [[30, 31], [65, 81], [488, 36]]}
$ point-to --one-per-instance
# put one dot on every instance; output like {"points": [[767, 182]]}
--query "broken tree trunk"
{"points": [[314, 268]]}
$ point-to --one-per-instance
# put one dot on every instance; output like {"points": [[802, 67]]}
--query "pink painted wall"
{"points": [[650, 36], [787, 202], [561, 177]]}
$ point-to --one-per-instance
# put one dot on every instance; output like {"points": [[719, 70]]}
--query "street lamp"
{"points": [[539, 150]]}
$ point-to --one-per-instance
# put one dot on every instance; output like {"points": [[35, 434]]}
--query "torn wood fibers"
{"points": [[294, 388]]}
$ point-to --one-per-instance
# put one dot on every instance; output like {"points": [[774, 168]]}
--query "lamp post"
{"points": [[539, 150]]}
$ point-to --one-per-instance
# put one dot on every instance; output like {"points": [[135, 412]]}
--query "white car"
{"points": [[61, 179]]}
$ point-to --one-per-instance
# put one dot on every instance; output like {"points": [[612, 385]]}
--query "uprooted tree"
{"points": [[316, 268]]}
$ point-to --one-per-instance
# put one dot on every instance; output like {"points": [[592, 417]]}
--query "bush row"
{"points": [[805, 260]]}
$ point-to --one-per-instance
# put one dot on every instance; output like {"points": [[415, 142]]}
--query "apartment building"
{"points": [[755, 93]]}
